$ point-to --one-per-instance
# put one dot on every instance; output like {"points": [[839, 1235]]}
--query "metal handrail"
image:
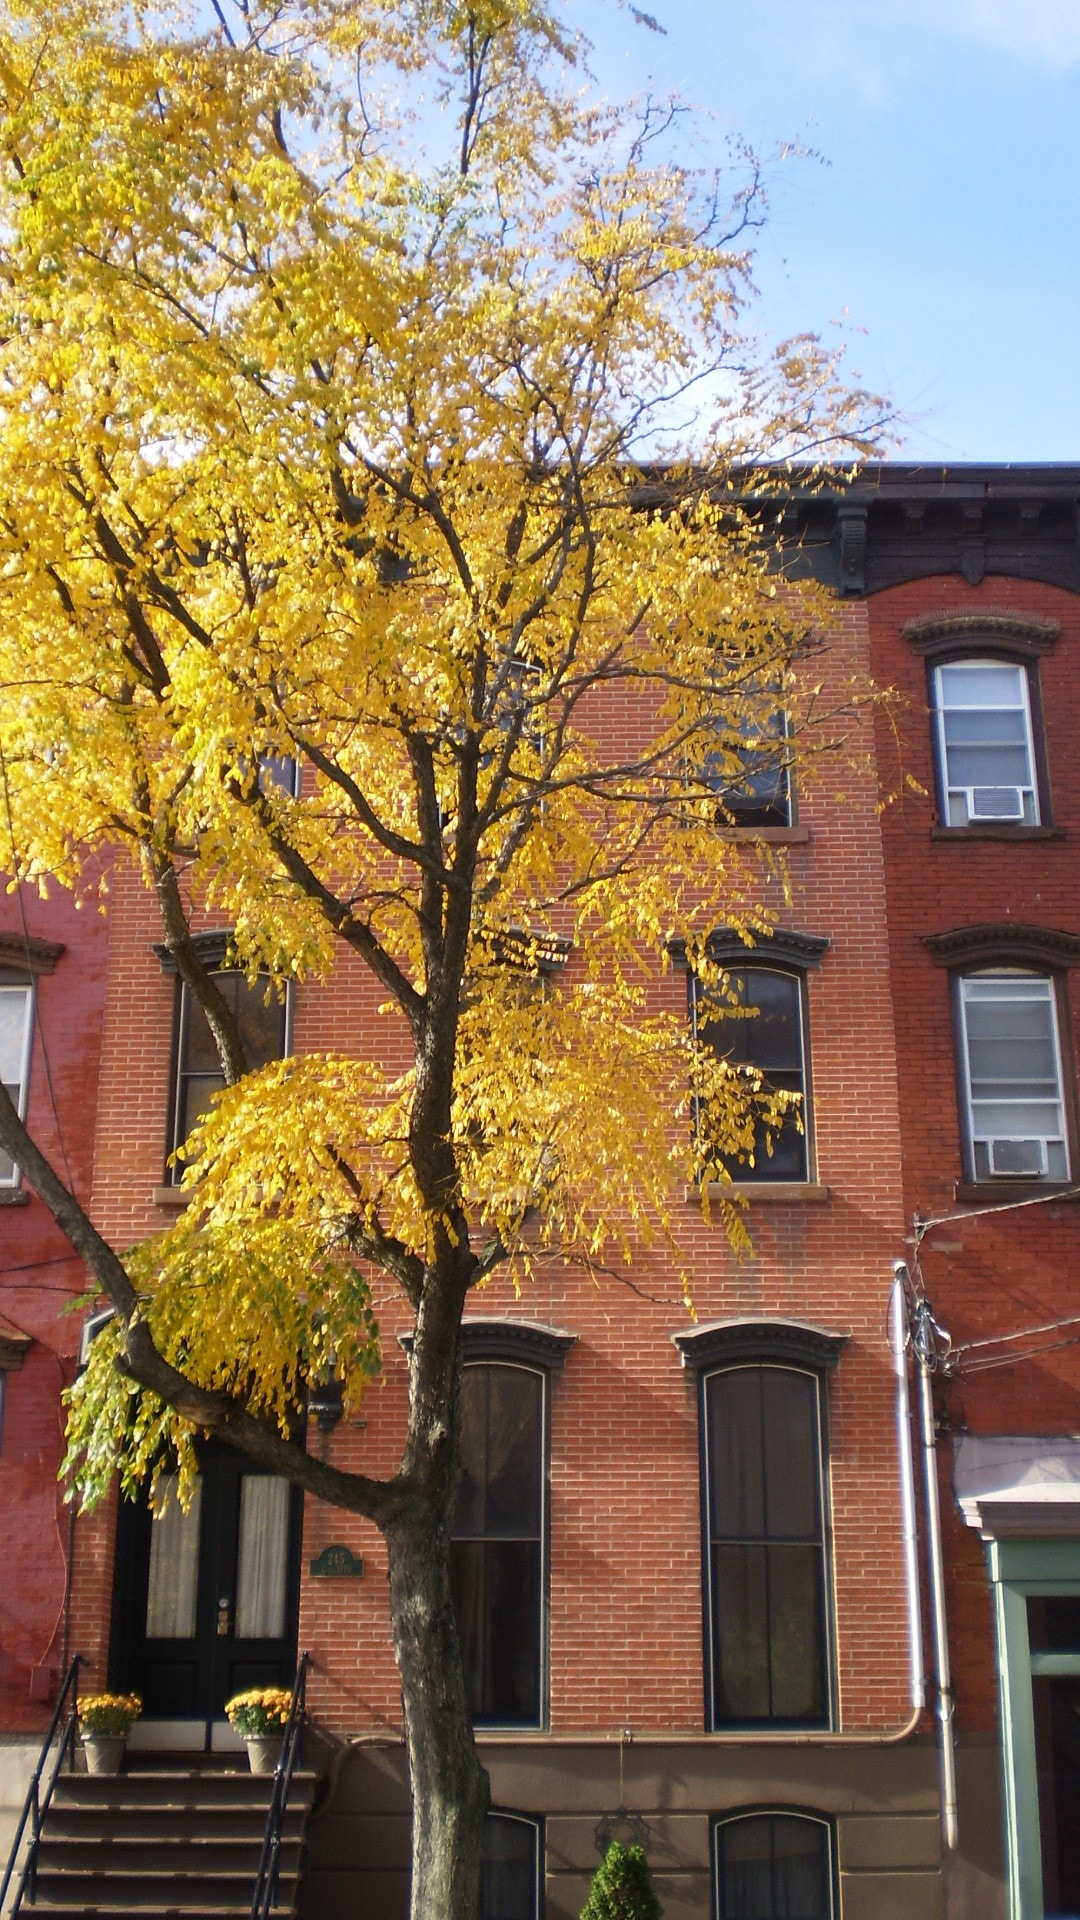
{"points": [[265, 1891], [35, 1807]]}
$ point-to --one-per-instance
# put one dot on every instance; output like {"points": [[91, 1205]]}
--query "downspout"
{"points": [[898, 1329], [923, 1331]]}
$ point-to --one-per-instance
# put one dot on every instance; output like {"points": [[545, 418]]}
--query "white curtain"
{"points": [[174, 1564], [263, 1557]]}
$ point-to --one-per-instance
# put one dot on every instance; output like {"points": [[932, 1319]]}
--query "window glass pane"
{"points": [[1054, 1622], [1015, 1109], [768, 1037], [985, 737], [495, 1586], [15, 1005], [508, 1869], [736, 1461], [174, 1564], [1056, 1703], [740, 1624], [773, 1867], [767, 1559], [789, 1434], [759, 795], [495, 1557], [983, 683], [263, 1557], [262, 1029], [796, 1640]]}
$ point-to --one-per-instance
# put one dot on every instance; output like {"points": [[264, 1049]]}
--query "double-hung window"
{"points": [[985, 743], [767, 1625], [1011, 1076], [16, 1029], [759, 1024], [261, 1018], [751, 773], [497, 1546]]}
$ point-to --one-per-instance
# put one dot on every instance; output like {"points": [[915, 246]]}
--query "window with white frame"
{"points": [[1011, 1074], [985, 743], [773, 1866], [16, 1028]]}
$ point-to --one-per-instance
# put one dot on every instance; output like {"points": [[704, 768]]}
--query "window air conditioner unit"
{"points": [[1018, 1159], [995, 803]]}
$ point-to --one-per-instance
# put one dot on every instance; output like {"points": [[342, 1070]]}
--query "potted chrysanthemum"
{"points": [[105, 1720], [259, 1717]]}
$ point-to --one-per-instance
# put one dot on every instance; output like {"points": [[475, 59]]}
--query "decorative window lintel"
{"points": [[1005, 943], [770, 1342]]}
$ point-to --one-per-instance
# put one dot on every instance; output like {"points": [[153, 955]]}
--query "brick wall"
{"points": [[1015, 1268]]}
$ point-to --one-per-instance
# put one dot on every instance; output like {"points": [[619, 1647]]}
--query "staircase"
{"points": [[162, 1841]]}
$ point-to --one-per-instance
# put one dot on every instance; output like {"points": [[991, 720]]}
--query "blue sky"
{"points": [[944, 213]]}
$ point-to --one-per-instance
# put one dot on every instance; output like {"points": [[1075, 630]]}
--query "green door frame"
{"points": [[1019, 1568]]}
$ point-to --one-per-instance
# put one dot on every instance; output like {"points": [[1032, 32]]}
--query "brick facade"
{"points": [[625, 1716]]}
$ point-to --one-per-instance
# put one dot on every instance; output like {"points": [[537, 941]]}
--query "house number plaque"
{"points": [[338, 1562]]}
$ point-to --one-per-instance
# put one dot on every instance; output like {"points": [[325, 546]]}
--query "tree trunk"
{"points": [[450, 1791]]}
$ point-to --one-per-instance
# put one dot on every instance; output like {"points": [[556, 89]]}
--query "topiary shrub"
{"points": [[622, 1887]]}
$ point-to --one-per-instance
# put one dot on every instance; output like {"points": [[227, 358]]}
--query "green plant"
{"points": [[622, 1887], [263, 1711], [106, 1715]]}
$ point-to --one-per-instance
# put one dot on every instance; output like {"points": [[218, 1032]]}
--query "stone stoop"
{"points": [[160, 1841]]}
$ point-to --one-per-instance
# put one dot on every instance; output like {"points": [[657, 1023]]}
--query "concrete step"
{"points": [[183, 1787], [168, 1822], [130, 1854], [198, 1890]]}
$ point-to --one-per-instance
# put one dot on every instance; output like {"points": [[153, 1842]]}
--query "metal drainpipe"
{"points": [[899, 1332], [923, 1344]]}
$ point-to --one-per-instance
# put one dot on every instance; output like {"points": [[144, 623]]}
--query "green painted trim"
{"points": [[1017, 1568], [1042, 1562]]}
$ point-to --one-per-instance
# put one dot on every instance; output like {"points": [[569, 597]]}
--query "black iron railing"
{"points": [[65, 1722], [265, 1892]]}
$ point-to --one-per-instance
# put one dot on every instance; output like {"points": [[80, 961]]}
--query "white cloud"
{"points": [[1040, 33]]}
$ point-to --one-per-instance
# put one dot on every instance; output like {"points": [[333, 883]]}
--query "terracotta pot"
{"points": [[264, 1751], [104, 1751]]}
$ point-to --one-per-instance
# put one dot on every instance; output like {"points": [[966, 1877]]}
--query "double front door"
{"points": [[206, 1600]]}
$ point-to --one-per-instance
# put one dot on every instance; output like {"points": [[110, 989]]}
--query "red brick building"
{"points": [[680, 1553], [52, 987]]}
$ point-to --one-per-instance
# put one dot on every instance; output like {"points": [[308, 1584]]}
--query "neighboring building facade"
{"points": [[52, 989], [679, 1550], [973, 596]]}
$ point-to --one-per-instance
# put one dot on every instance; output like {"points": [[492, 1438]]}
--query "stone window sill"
{"points": [[1002, 832], [175, 1198], [772, 836], [784, 1193], [1002, 1192], [14, 1197]]}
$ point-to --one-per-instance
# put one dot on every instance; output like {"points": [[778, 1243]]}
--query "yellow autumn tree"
{"points": [[411, 472]]}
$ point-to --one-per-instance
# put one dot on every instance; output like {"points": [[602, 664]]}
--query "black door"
{"points": [[205, 1602]]}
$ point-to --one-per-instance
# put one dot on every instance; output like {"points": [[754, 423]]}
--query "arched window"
{"points": [[760, 1022], [768, 1610], [510, 1868], [773, 1866], [498, 1549]]}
